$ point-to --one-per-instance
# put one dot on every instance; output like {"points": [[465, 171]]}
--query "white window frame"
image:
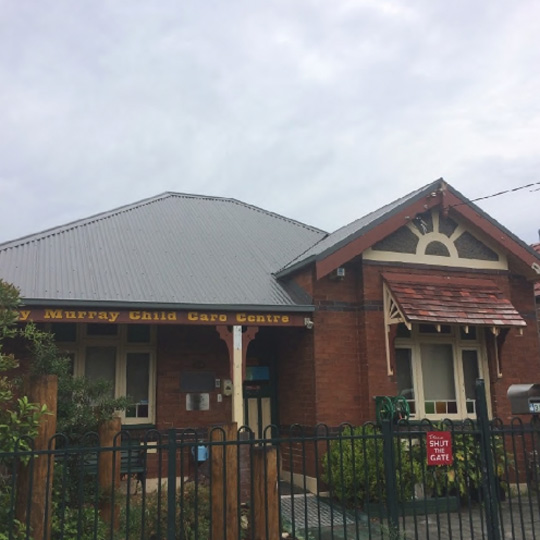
{"points": [[123, 347], [459, 345]]}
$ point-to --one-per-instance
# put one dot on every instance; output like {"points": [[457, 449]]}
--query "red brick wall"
{"points": [[306, 279], [337, 348], [296, 377], [520, 357], [538, 311], [376, 371], [330, 374], [349, 354], [193, 348]]}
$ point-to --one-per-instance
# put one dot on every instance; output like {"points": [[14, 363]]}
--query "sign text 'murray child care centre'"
{"points": [[159, 317]]}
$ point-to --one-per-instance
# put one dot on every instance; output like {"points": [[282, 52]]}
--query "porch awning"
{"points": [[436, 299]]}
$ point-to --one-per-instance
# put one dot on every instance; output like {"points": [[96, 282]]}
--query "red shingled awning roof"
{"points": [[451, 300]]}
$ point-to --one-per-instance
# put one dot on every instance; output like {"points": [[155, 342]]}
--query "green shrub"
{"points": [[19, 418], [17, 531], [192, 514], [464, 476], [81, 523], [354, 466]]}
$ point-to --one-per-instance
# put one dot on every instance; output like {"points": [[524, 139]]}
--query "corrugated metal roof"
{"points": [[346, 234], [343, 236], [173, 249]]}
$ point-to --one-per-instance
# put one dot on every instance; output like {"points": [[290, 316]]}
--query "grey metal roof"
{"points": [[334, 241], [170, 250]]}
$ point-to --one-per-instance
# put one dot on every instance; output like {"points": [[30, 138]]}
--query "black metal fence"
{"points": [[372, 481]]}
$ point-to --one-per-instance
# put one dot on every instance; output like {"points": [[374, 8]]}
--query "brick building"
{"points": [[536, 247], [206, 310]]}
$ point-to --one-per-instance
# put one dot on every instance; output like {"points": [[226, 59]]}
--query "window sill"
{"points": [[146, 426]]}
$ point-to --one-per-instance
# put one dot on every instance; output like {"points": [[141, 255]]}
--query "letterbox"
{"points": [[524, 398], [200, 453]]}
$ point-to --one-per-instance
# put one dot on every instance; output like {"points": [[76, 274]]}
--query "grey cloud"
{"points": [[318, 110]]}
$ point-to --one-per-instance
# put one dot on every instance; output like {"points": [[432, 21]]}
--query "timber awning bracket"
{"points": [[392, 315]]}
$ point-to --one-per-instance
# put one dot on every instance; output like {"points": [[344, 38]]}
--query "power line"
{"points": [[519, 188]]}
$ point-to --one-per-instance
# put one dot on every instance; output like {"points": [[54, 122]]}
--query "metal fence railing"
{"points": [[386, 480]]}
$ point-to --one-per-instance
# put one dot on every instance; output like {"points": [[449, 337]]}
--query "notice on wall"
{"points": [[439, 448], [197, 402]]}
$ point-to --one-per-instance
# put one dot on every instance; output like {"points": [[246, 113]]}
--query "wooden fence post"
{"points": [[224, 477], [109, 482], [265, 493], [34, 480]]}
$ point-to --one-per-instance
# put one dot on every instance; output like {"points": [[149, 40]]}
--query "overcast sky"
{"points": [[320, 110]]}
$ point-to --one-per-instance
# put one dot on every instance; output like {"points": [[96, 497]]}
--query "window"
{"points": [[436, 370], [121, 354]]}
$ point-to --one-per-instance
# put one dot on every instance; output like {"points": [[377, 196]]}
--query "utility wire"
{"points": [[506, 191], [509, 191]]}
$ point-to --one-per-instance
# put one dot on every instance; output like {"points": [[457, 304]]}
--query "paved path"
{"points": [[310, 517]]}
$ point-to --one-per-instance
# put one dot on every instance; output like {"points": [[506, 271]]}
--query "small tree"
{"points": [[82, 404], [354, 466], [19, 418]]}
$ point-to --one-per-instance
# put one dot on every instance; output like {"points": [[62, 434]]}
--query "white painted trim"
{"points": [[392, 315], [120, 343], [458, 346], [453, 261], [237, 397]]}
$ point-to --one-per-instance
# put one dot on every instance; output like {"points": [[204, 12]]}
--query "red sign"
{"points": [[439, 448]]}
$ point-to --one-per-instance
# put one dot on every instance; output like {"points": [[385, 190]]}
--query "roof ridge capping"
{"points": [[100, 216], [273, 214], [82, 222], [435, 193], [342, 236]]}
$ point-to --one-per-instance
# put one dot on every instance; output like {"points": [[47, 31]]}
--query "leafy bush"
{"points": [[6, 519], [81, 523], [192, 514], [464, 476], [19, 418], [354, 466], [82, 405]]}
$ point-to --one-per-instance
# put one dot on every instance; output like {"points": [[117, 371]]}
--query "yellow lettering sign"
{"points": [[205, 317], [157, 316], [53, 314], [262, 319]]}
